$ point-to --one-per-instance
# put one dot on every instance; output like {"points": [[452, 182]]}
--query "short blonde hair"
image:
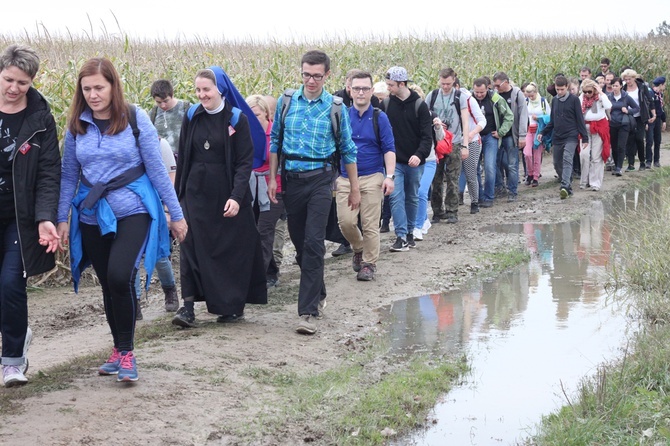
{"points": [[629, 73], [531, 87], [589, 83], [256, 100]]}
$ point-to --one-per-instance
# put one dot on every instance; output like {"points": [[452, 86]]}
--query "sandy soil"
{"points": [[198, 387]]}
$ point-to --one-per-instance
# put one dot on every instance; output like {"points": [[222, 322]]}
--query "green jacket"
{"points": [[503, 115]]}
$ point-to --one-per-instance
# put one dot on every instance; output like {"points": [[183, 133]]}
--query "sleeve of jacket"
{"points": [[633, 108], [506, 117], [70, 173], [581, 124], [47, 185], [523, 115], [426, 132], [243, 153]]}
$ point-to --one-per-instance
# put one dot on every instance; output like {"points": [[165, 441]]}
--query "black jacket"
{"points": [[646, 100], [412, 130], [36, 173]]}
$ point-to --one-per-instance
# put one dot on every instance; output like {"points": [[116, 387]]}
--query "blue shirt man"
{"points": [[307, 132], [373, 136]]}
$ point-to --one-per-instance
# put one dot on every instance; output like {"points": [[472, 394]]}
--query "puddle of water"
{"points": [[530, 335]]}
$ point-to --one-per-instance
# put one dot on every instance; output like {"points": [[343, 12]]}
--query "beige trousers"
{"points": [[369, 210]]}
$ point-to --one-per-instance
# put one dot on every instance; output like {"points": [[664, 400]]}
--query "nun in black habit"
{"points": [[221, 260]]}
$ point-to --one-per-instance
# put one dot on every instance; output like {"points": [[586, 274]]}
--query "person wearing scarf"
{"points": [[595, 106]]}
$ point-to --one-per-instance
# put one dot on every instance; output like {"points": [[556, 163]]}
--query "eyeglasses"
{"points": [[588, 92], [498, 85], [361, 89], [316, 77]]}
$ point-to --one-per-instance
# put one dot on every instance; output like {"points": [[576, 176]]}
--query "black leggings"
{"points": [[115, 261]]}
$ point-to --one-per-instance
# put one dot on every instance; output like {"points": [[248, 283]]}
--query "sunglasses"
{"points": [[588, 92]]}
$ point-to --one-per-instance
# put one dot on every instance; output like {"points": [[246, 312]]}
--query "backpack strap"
{"points": [[385, 103], [236, 116], [132, 120], [375, 124], [417, 105], [433, 98], [152, 114], [457, 103], [336, 120]]}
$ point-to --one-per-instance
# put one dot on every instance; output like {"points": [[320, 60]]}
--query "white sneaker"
{"points": [[12, 376], [26, 345], [418, 234], [426, 226]]}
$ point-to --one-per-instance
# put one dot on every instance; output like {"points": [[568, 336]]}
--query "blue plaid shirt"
{"points": [[308, 132]]}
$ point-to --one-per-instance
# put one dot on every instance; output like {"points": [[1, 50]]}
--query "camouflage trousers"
{"points": [[444, 198]]}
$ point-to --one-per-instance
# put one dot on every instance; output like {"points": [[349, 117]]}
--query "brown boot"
{"points": [[171, 299]]}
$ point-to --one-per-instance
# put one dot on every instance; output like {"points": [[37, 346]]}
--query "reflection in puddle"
{"points": [[528, 335]]}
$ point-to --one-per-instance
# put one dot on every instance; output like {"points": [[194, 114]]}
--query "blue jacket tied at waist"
{"points": [[157, 244]]}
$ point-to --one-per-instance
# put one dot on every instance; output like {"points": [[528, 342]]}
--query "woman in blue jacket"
{"points": [[622, 123], [29, 181], [117, 215]]}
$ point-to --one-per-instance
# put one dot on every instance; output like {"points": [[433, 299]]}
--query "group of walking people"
{"points": [[239, 164]]}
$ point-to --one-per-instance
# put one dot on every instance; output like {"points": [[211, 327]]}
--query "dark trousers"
{"points": [[267, 221], [658, 129], [13, 297], [636, 143], [649, 142], [115, 261], [618, 141], [307, 202], [386, 209]]}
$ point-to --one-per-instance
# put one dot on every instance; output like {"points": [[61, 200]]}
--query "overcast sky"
{"points": [[308, 21]]}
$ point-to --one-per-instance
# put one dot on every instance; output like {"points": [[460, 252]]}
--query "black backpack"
{"points": [[457, 102]]}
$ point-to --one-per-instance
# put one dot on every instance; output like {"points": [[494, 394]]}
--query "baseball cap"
{"points": [[397, 74], [659, 80]]}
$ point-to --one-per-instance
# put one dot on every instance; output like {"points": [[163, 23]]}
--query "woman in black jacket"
{"points": [[29, 188], [622, 123]]}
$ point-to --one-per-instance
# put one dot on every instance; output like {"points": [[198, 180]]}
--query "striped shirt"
{"points": [[308, 132]]}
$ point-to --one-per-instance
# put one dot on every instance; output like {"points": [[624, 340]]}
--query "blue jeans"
{"points": [[13, 296], [405, 198], [490, 154], [424, 188], [508, 162], [164, 273]]}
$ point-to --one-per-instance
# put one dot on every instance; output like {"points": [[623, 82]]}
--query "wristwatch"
{"points": [[390, 177]]}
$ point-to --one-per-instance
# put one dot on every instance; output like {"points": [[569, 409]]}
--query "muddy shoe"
{"points": [[171, 298], [342, 250], [138, 313], [12, 376], [184, 318], [367, 273], [306, 325], [229, 318], [356, 261]]}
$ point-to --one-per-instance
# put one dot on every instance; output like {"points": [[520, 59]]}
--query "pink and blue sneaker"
{"points": [[127, 368], [111, 367]]}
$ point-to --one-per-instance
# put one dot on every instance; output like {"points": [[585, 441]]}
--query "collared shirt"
{"points": [[370, 153], [308, 132]]}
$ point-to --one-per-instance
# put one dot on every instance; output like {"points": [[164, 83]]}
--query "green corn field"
{"points": [[268, 68]]}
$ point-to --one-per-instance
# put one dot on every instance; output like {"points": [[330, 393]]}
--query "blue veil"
{"points": [[228, 90]]}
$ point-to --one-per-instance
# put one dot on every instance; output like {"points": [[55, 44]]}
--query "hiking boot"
{"points": [[410, 241], [323, 303], [534, 183], [356, 261], [228, 318], [367, 272], [342, 250], [138, 312], [127, 368], [630, 168], [400, 245], [511, 198], [384, 228], [111, 367], [26, 345], [171, 298], [306, 325], [417, 234], [564, 193], [460, 198], [184, 318], [486, 204], [452, 219], [12, 376], [474, 208]]}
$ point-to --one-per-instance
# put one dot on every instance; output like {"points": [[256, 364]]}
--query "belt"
{"points": [[309, 173]]}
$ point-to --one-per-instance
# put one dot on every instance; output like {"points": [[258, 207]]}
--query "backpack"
{"points": [[543, 104], [336, 123], [233, 121], [417, 104], [154, 111]]}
